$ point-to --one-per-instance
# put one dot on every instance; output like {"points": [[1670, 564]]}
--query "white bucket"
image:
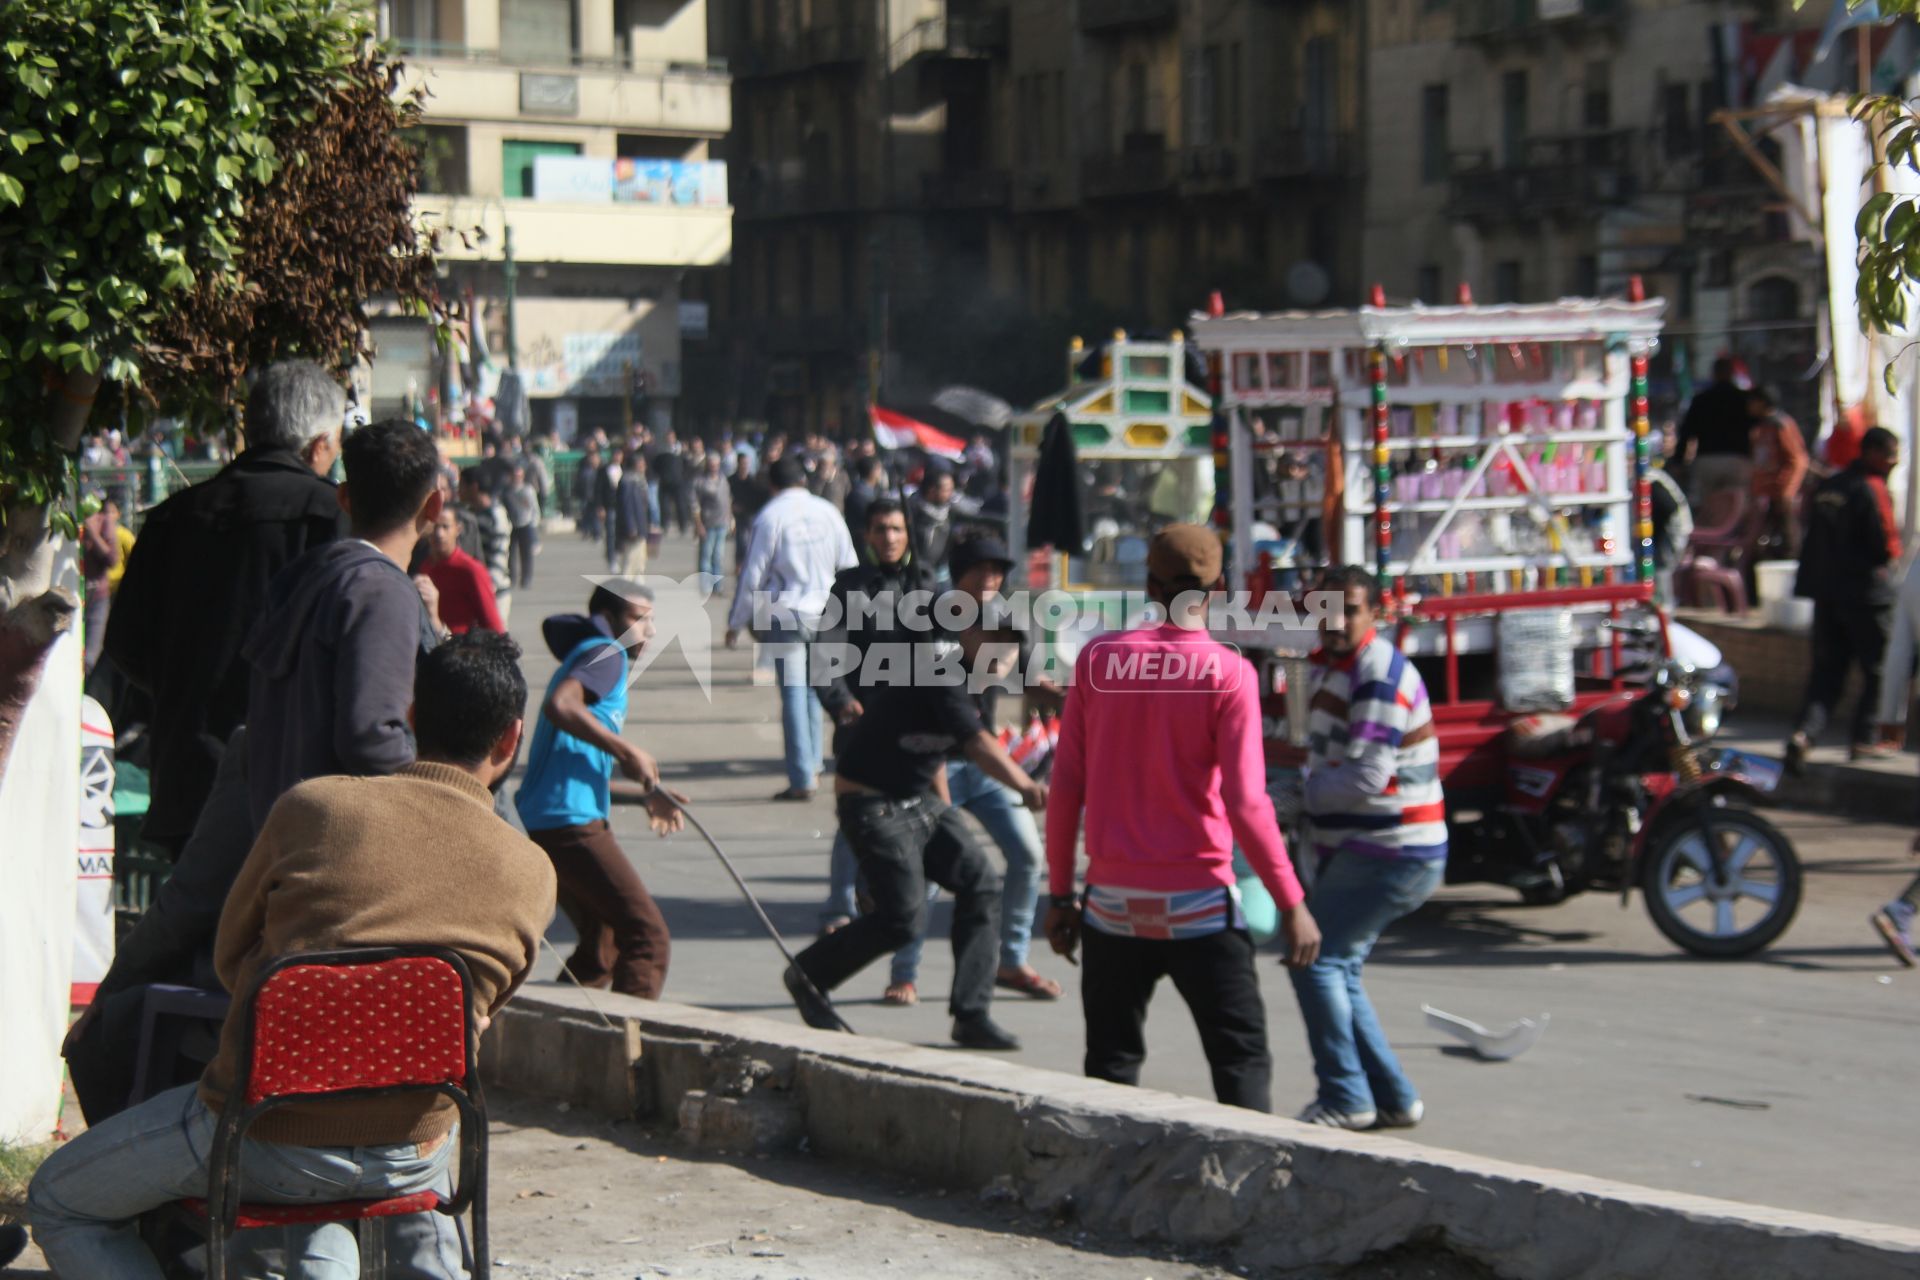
{"points": [[1773, 580]]}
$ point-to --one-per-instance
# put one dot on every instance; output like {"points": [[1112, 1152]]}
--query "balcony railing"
{"points": [[449, 51], [962, 36], [1507, 19], [1211, 165], [830, 44], [1557, 175], [978, 189], [1735, 216], [1304, 153], [1100, 17], [1137, 171]]}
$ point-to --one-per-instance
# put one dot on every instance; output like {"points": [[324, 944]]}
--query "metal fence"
{"points": [[138, 486]]}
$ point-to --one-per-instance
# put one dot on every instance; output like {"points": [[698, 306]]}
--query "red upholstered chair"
{"points": [[359, 1023], [1701, 581]]}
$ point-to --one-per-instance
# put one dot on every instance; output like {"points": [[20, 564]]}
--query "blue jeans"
{"points": [[799, 720], [713, 546], [1355, 897], [1012, 827], [86, 1199]]}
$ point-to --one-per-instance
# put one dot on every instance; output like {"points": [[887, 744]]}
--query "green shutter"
{"points": [[516, 164]]}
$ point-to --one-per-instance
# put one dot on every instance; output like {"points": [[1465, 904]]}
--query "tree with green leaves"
{"points": [[1889, 223], [187, 188]]}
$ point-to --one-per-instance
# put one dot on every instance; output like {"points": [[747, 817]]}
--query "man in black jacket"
{"points": [[198, 577], [1852, 542], [334, 648], [1716, 430], [669, 468], [838, 660]]}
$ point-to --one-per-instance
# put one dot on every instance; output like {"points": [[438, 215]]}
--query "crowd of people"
{"points": [[329, 693]]}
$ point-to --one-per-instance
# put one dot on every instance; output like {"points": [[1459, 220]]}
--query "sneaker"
{"points": [[1403, 1119], [815, 1009], [983, 1032], [1895, 923], [1322, 1114], [1796, 758]]}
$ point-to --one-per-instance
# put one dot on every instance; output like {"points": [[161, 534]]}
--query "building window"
{"points": [[1233, 91], [647, 146], [1596, 100], [539, 33], [1586, 276], [1435, 153], [516, 164], [1676, 125], [1773, 299], [1513, 119], [1040, 126], [441, 150], [1062, 117], [1428, 290], [1506, 281], [1207, 88], [1136, 117], [1023, 96], [1317, 106]]}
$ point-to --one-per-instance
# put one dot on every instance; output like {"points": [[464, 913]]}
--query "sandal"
{"points": [[1028, 980], [901, 995]]}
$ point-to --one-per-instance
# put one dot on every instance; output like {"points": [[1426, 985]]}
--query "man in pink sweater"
{"points": [[1160, 744]]}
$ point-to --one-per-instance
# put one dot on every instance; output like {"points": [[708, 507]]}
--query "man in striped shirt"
{"points": [[1380, 833]]}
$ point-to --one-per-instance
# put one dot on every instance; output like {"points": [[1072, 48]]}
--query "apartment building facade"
{"points": [[1534, 149], [583, 130], [939, 191]]}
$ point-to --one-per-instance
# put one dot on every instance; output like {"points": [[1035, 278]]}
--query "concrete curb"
{"points": [[1273, 1193]]}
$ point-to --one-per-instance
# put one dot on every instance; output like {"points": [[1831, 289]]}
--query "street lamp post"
{"points": [[512, 274]]}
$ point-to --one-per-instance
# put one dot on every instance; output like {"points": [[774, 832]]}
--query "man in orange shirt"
{"points": [[462, 599], [1779, 467]]}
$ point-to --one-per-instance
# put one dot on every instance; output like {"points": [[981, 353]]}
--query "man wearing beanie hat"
{"points": [[1161, 747]]}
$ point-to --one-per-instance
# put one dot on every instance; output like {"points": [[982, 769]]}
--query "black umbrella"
{"points": [[1056, 518]]}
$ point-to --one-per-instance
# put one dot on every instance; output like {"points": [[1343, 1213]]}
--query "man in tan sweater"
{"points": [[415, 858]]}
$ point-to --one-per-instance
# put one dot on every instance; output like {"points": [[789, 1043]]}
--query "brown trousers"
{"points": [[623, 937]]}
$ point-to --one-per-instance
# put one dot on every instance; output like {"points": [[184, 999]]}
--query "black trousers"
{"points": [[1845, 636], [526, 539], [1213, 974], [676, 505], [901, 844]]}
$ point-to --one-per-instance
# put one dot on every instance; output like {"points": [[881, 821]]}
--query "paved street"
{"points": [[1784, 1081]]}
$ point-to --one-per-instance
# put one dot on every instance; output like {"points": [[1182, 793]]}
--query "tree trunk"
{"points": [[33, 614]]}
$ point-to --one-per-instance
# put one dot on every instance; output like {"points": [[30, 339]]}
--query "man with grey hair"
{"points": [[198, 576]]}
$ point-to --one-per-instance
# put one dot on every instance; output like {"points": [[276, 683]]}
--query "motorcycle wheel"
{"points": [[1723, 914]]}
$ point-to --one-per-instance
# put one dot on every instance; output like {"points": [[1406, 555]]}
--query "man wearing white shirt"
{"points": [[799, 543]]}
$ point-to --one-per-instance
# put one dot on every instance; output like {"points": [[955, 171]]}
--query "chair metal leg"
{"points": [[372, 1236], [482, 1261]]}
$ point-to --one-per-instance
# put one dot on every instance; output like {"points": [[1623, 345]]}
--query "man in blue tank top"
{"points": [[566, 792]]}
